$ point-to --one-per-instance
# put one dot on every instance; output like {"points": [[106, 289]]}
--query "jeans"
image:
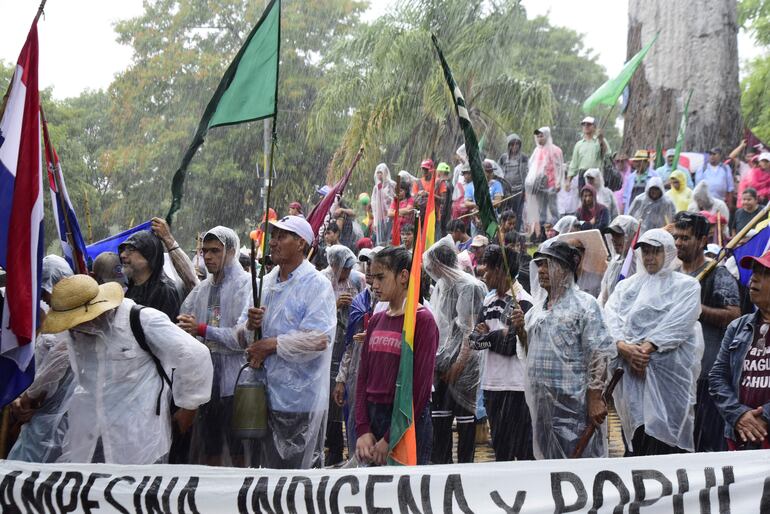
{"points": [[379, 420]]}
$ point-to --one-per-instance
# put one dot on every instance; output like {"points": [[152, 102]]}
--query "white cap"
{"points": [[479, 241], [712, 248], [296, 224], [764, 156], [588, 119], [365, 254]]}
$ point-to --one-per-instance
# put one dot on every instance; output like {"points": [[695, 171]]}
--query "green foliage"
{"points": [[754, 15]]}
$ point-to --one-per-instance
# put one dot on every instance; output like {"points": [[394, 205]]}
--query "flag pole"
{"points": [[40, 10]]}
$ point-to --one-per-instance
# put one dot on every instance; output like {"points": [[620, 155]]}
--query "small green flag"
{"points": [[680, 134], [609, 92], [248, 91], [480, 185], [659, 160]]}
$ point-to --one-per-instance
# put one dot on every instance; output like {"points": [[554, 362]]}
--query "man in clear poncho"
{"points": [[568, 352], [544, 179], [652, 208], [119, 410], [455, 302], [619, 235], [383, 192], [702, 200], [653, 319], [211, 312], [43, 406], [346, 283], [298, 321]]}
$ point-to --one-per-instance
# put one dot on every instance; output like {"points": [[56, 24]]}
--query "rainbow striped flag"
{"points": [[429, 224], [403, 444]]}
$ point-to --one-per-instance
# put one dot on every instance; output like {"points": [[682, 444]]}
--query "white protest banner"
{"points": [[737, 482]]}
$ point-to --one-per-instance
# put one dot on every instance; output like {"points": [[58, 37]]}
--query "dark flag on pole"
{"points": [[248, 91], [480, 186]]}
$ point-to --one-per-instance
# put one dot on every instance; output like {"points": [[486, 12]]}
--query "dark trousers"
{"points": [[709, 430], [335, 442], [511, 425], [445, 410], [645, 444], [380, 415]]}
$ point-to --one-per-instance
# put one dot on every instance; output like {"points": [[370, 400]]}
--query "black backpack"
{"points": [[138, 331]]}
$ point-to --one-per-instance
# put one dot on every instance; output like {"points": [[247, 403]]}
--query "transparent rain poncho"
{"points": [[652, 213], [703, 201], [457, 173], [569, 348], [117, 388], [41, 438], [567, 224], [301, 313], [662, 308], [615, 264], [593, 265], [544, 176], [604, 195], [383, 192], [455, 303], [55, 268], [219, 306]]}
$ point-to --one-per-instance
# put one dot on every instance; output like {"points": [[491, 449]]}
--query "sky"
{"points": [[78, 50]]}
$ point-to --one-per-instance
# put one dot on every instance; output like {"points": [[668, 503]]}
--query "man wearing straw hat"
{"points": [[119, 412]]}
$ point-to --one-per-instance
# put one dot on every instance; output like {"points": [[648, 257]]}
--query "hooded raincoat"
{"points": [[159, 292], [662, 308], [682, 195], [218, 303], [514, 167], [544, 178], [703, 201], [383, 192], [615, 265], [569, 348], [652, 213], [117, 388], [301, 313], [604, 195]]}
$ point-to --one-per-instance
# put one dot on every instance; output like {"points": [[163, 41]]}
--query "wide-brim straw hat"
{"points": [[641, 155], [78, 299]]}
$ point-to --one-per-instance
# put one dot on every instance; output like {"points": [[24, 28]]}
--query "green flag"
{"points": [[609, 92], [659, 160], [480, 186], [680, 134], [248, 91]]}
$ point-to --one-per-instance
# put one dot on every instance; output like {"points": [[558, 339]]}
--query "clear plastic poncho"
{"points": [[117, 387], [544, 174], [652, 213], [55, 268], [567, 224], [457, 173], [662, 308], [219, 305], [569, 349], [703, 201], [382, 197], [604, 195], [455, 303], [42, 437], [301, 313], [629, 225]]}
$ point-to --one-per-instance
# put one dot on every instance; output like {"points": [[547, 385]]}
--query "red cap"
{"points": [[296, 205], [427, 163], [364, 242], [748, 261]]}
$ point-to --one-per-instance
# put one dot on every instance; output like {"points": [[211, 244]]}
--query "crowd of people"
{"points": [[597, 264]]}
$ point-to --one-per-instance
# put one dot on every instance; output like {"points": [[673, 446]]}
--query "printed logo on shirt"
{"points": [[385, 341], [756, 369]]}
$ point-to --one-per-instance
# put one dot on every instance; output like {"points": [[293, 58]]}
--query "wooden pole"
{"points": [[5, 426], [88, 219], [40, 10]]}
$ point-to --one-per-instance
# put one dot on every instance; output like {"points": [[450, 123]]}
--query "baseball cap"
{"points": [[588, 119], [655, 237], [712, 249], [561, 251], [670, 152], [296, 205], [479, 241], [365, 254], [748, 261], [716, 149], [297, 225], [764, 156], [427, 163], [442, 166]]}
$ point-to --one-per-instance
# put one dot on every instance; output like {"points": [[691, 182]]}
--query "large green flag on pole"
{"points": [[680, 134], [248, 91], [480, 186], [609, 92]]}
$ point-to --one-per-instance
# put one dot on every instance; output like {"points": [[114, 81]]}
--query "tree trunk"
{"points": [[697, 49]]}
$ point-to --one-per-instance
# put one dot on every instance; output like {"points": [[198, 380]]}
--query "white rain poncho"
{"points": [[703, 201], [41, 438], [341, 258], [301, 313], [55, 268], [569, 348], [457, 173], [219, 306], [663, 309], [235, 295], [117, 388], [545, 175], [615, 265], [604, 195], [652, 213], [455, 303], [567, 224], [382, 197]]}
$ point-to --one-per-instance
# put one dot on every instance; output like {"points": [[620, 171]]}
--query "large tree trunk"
{"points": [[697, 49]]}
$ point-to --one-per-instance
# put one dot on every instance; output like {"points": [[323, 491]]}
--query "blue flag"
{"points": [[111, 243], [755, 247]]}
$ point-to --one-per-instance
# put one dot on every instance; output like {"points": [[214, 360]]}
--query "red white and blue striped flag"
{"points": [[21, 222], [72, 243]]}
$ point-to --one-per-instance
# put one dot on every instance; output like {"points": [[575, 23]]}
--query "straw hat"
{"points": [[78, 299], [641, 155]]}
